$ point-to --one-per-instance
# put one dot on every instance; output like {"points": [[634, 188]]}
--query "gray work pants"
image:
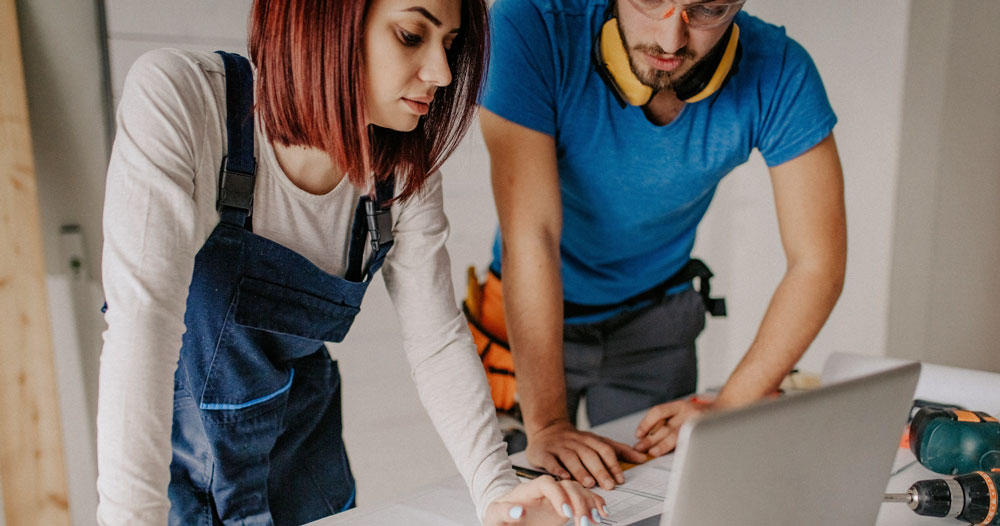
{"points": [[635, 359]]}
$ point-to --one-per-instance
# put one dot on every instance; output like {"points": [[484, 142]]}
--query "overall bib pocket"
{"points": [[268, 326]]}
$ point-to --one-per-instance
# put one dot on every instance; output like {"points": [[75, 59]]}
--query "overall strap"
{"points": [[374, 219], [238, 171]]}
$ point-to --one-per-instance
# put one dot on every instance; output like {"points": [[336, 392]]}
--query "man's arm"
{"points": [[526, 189], [809, 198]]}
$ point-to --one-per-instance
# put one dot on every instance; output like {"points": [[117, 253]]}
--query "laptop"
{"points": [[821, 457]]}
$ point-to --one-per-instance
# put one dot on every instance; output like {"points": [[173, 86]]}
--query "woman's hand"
{"points": [[544, 501]]}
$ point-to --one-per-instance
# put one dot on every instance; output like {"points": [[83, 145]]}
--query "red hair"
{"points": [[310, 90]]}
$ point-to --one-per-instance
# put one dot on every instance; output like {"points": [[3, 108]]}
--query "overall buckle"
{"points": [[379, 222], [235, 188]]}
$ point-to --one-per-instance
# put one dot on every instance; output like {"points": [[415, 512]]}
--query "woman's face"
{"points": [[406, 44]]}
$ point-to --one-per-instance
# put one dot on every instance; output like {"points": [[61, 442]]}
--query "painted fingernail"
{"points": [[584, 521], [595, 515], [567, 511], [605, 508], [516, 512]]}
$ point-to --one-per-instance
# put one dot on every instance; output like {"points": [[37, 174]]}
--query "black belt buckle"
{"points": [[379, 224], [235, 188]]}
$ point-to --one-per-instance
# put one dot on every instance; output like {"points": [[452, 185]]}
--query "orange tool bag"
{"points": [[483, 308]]}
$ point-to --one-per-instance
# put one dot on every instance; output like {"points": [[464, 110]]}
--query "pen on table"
{"points": [[530, 474]]}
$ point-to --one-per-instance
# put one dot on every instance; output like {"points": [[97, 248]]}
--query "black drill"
{"points": [[971, 498]]}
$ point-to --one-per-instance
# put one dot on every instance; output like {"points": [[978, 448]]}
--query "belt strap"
{"points": [[694, 268], [237, 174]]}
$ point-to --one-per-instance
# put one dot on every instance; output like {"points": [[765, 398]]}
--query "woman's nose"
{"points": [[436, 69]]}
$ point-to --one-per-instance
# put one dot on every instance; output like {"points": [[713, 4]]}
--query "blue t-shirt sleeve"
{"points": [[520, 83], [800, 115]]}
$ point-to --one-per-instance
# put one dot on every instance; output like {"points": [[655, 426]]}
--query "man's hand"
{"points": [[567, 453], [544, 501], [657, 432]]}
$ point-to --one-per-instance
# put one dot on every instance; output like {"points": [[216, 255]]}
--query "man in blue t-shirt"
{"points": [[609, 125]]}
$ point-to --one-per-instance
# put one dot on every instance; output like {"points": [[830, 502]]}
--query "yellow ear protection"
{"points": [[611, 60]]}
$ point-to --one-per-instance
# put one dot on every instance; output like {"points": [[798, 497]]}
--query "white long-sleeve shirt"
{"points": [[159, 210]]}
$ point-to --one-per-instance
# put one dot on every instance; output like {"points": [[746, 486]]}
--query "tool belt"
{"points": [[483, 308], [694, 268]]}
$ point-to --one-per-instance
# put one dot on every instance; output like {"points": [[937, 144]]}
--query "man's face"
{"points": [[661, 52]]}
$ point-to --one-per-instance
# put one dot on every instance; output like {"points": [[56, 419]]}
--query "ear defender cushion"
{"points": [[615, 59], [613, 65], [718, 66]]}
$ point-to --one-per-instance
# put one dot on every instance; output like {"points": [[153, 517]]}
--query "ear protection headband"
{"points": [[708, 76]]}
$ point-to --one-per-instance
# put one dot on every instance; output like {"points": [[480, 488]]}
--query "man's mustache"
{"points": [[658, 51]]}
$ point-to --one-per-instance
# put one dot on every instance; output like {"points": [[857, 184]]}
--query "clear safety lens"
{"points": [[705, 15]]}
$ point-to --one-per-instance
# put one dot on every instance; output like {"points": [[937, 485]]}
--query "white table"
{"points": [[447, 502]]}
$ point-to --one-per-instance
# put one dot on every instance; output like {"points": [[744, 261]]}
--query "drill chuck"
{"points": [[971, 498]]}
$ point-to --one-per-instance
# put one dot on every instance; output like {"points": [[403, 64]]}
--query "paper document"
{"points": [[641, 496]]}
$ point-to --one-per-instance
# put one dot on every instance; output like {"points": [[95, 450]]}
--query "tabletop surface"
{"points": [[446, 502]]}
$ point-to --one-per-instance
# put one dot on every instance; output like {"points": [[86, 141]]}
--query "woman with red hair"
{"points": [[247, 210]]}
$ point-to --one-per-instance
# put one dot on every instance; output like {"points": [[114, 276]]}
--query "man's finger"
{"points": [[595, 464], [551, 464], [654, 437], [655, 415], [667, 444], [569, 458], [628, 453], [609, 457]]}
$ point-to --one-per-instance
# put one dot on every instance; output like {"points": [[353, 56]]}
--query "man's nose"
{"points": [[672, 32]]}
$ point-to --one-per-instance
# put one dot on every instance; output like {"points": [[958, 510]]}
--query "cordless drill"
{"points": [[971, 498], [953, 441]]}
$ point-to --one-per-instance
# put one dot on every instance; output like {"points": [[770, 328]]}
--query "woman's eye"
{"points": [[409, 39]]}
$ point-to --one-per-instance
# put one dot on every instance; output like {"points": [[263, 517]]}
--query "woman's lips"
{"points": [[417, 106]]}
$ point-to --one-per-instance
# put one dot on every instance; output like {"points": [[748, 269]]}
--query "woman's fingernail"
{"points": [[584, 521], [606, 512], [516, 512], [655, 451], [588, 482], [595, 515], [567, 511]]}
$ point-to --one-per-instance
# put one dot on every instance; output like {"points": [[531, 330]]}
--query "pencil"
{"points": [[531, 474]]}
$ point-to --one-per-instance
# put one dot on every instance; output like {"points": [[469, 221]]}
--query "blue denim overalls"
{"points": [[257, 423]]}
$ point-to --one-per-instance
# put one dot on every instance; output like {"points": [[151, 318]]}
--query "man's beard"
{"points": [[657, 79]]}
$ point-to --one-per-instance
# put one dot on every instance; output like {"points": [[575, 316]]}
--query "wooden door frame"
{"points": [[32, 459]]}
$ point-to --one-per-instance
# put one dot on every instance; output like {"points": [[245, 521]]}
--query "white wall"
{"points": [[946, 252], [920, 173], [859, 48]]}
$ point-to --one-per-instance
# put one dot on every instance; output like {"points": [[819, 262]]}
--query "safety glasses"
{"points": [[701, 15]]}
